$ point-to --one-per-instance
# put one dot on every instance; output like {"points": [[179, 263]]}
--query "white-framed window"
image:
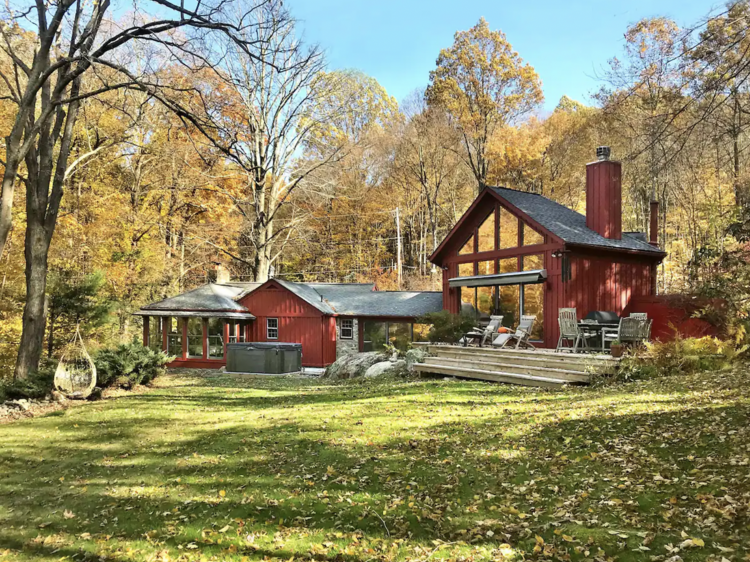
{"points": [[272, 328], [347, 329]]}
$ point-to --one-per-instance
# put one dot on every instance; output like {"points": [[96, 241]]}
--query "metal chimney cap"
{"points": [[603, 153]]}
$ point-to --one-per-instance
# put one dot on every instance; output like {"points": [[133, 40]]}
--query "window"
{"points": [[509, 265], [374, 336], [399, 334], [174, 336], [215, 338], [531, 236], [465, 269], [468, 300], [155, 332], [195, 337], [532, 262], [486, 239], [236, 331], [508, 230], [533, 303], [486, 267], [272, 328], [467, 248], [347, 329]]}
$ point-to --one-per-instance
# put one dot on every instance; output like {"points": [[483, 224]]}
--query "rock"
{"points": [[96, 394], [392, 368], [58, 397], [415, 356], [20, 404], [354, 365]]}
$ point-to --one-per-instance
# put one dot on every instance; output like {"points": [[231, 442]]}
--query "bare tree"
{"points": [[77, 54]]}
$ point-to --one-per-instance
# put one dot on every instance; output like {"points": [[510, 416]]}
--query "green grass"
{"points": [[232, 468]]}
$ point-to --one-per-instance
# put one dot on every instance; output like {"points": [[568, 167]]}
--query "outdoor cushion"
{"points": [[501, 339]]}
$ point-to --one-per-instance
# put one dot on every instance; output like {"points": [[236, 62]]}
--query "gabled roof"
{"points": [[560, 221], [568, 225], [307, 294], [210, 297]]}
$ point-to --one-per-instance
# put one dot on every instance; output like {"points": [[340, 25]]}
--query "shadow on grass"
{"points": [[172, 469]]}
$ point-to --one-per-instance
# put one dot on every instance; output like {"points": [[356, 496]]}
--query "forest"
{"points": [[147, 145]]}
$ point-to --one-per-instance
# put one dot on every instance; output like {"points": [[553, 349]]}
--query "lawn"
{"points": [[233, 468]]}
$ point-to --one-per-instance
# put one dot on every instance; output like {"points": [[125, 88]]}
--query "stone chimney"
{"points": [[604, 195], [222, 274]]}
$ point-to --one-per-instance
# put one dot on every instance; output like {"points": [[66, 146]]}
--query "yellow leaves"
{"points": [[222, 493], [68, 514]]}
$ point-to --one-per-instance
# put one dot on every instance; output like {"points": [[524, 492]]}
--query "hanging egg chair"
{"points": [[75, 375]]}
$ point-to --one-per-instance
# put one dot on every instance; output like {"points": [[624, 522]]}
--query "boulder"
{"points": [[415, 355], [21, 404], [354, 365], [58, 397], [392, 368]]}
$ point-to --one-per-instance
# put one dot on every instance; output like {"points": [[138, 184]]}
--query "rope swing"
{"points": [[75, 375]]}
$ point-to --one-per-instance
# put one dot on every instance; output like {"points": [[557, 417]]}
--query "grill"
{"points": [[264, 357]]}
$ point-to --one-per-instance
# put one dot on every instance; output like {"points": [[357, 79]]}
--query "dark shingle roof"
{"points": [[347, 299], [569, 225], [210, 297], [359, 300]]}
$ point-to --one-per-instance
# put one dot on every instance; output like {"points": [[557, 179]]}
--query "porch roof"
{"points": [[227, 314], [514, 278]]}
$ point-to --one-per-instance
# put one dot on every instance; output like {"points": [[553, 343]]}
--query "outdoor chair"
{"points": [[482, 334], [639, 315], [633, 331], [571, 332], [521, 336]]}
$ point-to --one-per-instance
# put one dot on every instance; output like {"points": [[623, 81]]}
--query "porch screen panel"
{"points": [[468, 300], [155, 332], [485, 302], [374, 335], [486, 240], [216, 338], [533, 303], [195, 337], [399, 335], [174, 336]]}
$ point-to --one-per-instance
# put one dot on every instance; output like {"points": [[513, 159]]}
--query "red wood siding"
{"points": [[606, 282], [604, 198], [299, 322]]}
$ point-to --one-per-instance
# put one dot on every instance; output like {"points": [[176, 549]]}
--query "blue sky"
{"points": [[568, 42]]}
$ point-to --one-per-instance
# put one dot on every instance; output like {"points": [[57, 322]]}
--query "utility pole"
{"points": [[398, 247]]}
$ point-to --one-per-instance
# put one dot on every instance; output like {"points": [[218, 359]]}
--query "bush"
{"points": [[681, 356], [36, 385], [447, 327], [128, 365]]}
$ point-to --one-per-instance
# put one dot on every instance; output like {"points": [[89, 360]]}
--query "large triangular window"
{"points": [[508, 230], [531, 236]]}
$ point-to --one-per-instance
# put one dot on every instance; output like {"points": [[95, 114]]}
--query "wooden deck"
{"points": [[540, 367]]}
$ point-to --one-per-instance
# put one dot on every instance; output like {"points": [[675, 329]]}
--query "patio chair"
{"points": [[630, 331], [482, 334], [570, 332], [521, 336]]}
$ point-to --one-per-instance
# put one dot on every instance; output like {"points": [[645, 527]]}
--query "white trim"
{"points": [[269, 328], [350, 328]]}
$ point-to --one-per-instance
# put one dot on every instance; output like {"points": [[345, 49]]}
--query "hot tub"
{"points": [[264, 357]]}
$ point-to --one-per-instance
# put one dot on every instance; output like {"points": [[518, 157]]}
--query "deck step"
{"points": [[566, 375], [494, 376], [566, 363]]}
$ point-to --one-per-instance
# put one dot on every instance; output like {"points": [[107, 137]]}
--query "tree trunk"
{"points": [[34, 312]]}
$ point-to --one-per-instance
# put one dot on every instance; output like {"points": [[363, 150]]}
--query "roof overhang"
{"points": [[515, 278], [197, 314]]}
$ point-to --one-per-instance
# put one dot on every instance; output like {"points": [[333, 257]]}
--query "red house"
{"points": [[328, 319], [516, 253]]}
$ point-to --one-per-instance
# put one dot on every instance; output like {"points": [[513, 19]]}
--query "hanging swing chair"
{"points": [[75, 375]]}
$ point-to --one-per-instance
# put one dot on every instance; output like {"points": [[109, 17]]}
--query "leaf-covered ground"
{"points": [[233, 468]]}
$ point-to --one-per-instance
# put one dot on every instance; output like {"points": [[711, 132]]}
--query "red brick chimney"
{"points": [[604, 195], [654, 226]]}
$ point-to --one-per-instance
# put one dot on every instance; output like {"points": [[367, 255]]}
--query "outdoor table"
{"points": [[601, 327]]}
